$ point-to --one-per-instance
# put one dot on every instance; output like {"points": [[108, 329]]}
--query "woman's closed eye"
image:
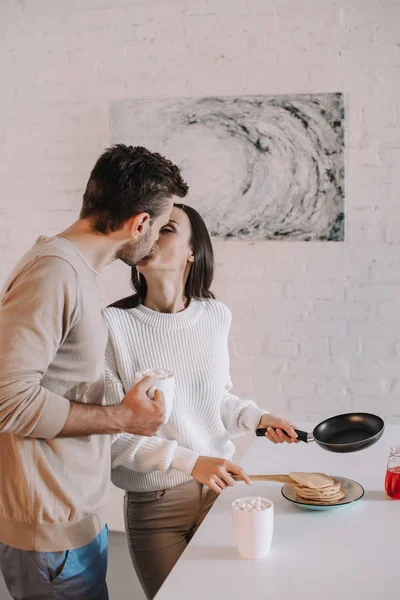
{"points": [[167, 229]]}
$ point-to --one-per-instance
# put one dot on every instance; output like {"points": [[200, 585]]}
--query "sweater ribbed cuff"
{"points": [[184, 460], [52, 419], [251, 416]]}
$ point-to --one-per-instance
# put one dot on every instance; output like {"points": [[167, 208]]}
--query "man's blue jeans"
{"points": [[78, 574]]}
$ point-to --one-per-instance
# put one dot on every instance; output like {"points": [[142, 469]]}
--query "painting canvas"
{"points": [[258, 167]]}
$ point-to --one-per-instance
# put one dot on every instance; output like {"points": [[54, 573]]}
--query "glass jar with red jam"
{"points": [[392, 482]]}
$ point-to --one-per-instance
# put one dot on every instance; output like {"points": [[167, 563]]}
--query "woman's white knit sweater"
{"points": [[194, 345]]}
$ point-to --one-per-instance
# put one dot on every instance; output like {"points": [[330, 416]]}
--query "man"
{"points": [[54, 447]]}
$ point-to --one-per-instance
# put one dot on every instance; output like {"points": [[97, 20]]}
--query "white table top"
{"points": [[351, 553]]}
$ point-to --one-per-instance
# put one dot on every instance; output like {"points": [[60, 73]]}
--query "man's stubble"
{"points": [[132, 253]]}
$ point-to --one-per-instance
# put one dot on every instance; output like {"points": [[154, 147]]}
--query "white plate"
{"points": [[352, 491]]}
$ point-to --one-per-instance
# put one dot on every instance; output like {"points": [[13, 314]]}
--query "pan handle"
{"points": [[261, 432], [303, 436]]}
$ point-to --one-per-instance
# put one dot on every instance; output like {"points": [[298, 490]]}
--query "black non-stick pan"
{"points": [[344, 433]]}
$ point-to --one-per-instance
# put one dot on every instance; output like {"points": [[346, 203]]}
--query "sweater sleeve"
{"points": [[136, 452], [37, 311], [238, 416], [145, 454], [114, 390]]}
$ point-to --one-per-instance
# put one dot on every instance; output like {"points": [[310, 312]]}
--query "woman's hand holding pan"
{"points": [[278, 430]]}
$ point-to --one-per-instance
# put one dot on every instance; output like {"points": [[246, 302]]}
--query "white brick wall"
{"points": [[316, 325]]}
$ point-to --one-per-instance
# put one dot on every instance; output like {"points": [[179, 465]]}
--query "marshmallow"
{"points": [[159, 373], [251, 504]]}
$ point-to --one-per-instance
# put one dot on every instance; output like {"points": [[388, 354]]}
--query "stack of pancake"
{"points": [[316, 488]]}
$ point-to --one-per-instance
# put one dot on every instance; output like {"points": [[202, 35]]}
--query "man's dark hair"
{"points": [[126, 181]]}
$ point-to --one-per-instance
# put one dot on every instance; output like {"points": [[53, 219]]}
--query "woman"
{"points": [[173, 322]]}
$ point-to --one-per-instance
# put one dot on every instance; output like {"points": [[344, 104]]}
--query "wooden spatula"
{"points": [[310, 480], [279, 478]]}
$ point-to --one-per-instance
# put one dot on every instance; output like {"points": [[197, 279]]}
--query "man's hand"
{"points": [[216, 473], [140, 414], [278, 430]]}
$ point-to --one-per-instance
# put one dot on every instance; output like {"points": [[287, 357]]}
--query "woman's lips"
{"points": [[149, 255]]}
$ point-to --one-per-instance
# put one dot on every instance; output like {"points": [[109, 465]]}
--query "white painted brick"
{"points": [[268, 365], [365, 232], [388, 135], [275, 75], [310, 57], [348, 348], [388, 33], [258, 321], [370, 154], [268, 393], [389, 311], [377, 349], [338, 404], [319, 328], [383, 110], [270, 292], [361, 12], [229, 36], [304, 20], [389, 156], [323, 290], [375, 330], [370, 175], [391, 401], [244, 345], [292, 268], [338, 260], [315, 408], [199, 7], [312, 416], [301, 387], [343, 310], [286, 310], [392, 235], [360, 368], [335, 393], [280, 347], [373, 292], [243, 385], [273, 403], [369, 385], [314, 348], [388, 367], [313, 369], [5, 236], [329, 33]]}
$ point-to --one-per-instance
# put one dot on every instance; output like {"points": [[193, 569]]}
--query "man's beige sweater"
{"points": [[52, 343]]}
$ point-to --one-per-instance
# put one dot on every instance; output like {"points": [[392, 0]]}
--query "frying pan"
{"points": [[344, 433]]}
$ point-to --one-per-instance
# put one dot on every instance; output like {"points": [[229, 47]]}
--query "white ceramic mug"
{"points": [[253, 529], [165, 382]]}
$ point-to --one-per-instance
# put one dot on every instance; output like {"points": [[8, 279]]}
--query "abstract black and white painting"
{"points": [[258, 167]]}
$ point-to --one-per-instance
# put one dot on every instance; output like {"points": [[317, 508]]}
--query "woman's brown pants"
{"points": [[159, 526]]}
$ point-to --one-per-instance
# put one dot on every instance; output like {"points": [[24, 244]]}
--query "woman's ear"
{"points": [[191, 257]]}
